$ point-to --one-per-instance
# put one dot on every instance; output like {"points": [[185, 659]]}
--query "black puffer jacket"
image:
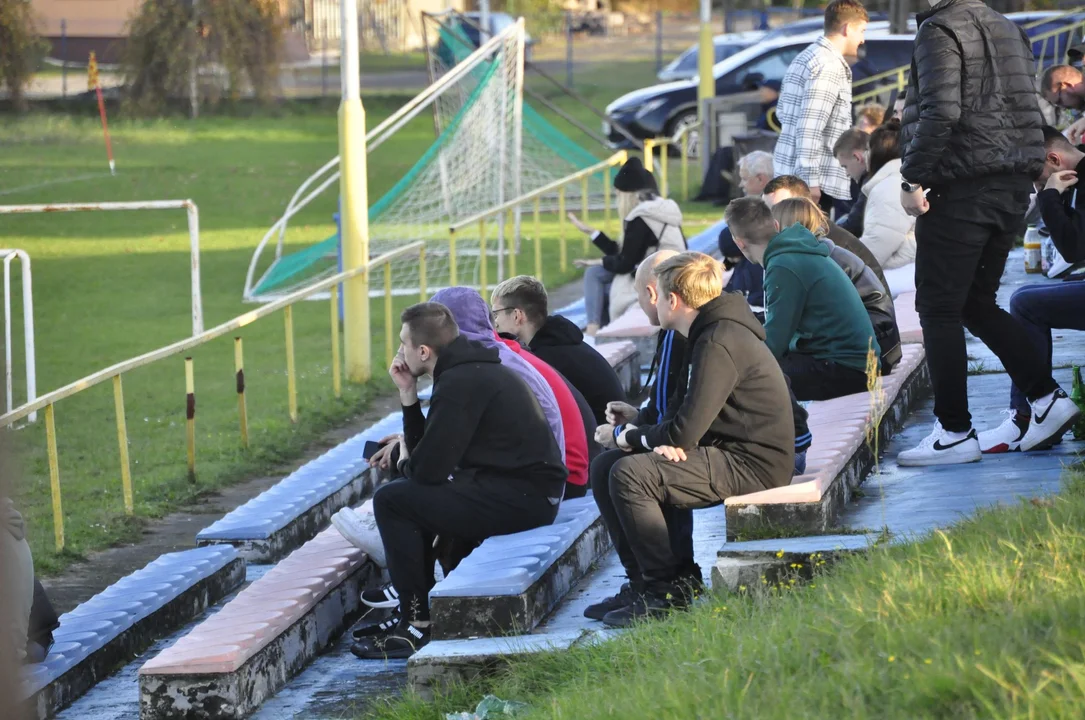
{"points": [[878, 303], [972, 110]]}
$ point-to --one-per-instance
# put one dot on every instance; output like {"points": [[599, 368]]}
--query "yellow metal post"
{"points": [[354, 200], [54, 477], [421, 274], [563, 250], [122, 443], [451, 260], [538, 244], [706, 57], [664, 161], [190, 418], [337, 374], [606, 200], [389, 343], [584, 207], [685, 166], [649, 154], [510, 222], [482, 257], [239, 374], [291, 376]]}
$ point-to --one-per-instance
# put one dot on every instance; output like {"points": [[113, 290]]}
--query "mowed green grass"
{"points": [[110, 286], [981, 621]]}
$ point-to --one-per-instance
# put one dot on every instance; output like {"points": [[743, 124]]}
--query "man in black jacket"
{"points": [[973, 144], [730, 433], [483, 463], [1047, 306], [520, 309]]}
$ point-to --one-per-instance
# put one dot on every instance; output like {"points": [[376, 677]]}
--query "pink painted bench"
{"points": [[243, 654], [908, 319], [838, 460]]}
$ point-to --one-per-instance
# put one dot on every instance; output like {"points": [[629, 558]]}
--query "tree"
{"points": [[201, 50], [21, 48]]}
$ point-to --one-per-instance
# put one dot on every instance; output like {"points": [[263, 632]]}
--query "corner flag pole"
{"points": [[94, 82]]}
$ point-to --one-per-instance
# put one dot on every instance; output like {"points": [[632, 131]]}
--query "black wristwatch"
{"points": [[909, 187]]}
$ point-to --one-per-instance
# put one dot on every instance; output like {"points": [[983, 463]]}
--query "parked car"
{"points": [[809, 25], [664, 110], [684, 67]]}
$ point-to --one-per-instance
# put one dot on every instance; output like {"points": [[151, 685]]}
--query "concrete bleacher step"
{"points": [[510, 582], [119, 623], [229, 664], [285, 516], [839, 459], [625, 358], [747, 566]]}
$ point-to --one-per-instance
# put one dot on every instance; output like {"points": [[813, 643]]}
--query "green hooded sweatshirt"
{"points": [[811, 307]]}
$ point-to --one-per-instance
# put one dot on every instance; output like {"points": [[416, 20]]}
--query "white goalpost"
{"points": [[8, 256]]}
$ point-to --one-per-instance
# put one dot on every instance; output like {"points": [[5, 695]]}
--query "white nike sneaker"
{"points": [[1004, 438], [1051, 418], [938, 449]]}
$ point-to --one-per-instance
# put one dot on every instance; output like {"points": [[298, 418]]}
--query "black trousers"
{"points": [[645, 501], [410, 514], [962, 245], [813, 379]]}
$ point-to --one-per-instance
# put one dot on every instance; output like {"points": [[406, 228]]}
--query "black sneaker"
{"points": [[376, 628], [402, 642], [652, 604], [690, 582], [384, 597], [624, 598]]}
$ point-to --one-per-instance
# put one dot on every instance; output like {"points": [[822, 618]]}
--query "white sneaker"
{"points": [[1004, 438], [939, 449], [360, 530], [1051, 418]]}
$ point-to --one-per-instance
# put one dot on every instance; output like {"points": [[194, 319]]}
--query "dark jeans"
{"points": [[962, 245], [410, 514], [813, 379], [1039, 309], [573, 492], [639, 494]]}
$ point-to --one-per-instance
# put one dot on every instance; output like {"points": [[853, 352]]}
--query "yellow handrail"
{"points": [[182, 346]]}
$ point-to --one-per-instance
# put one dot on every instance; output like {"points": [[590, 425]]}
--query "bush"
{"points": [[20, 48], [235, 44]]}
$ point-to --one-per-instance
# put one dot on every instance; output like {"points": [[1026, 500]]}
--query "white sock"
{"points": [[956, 436]]}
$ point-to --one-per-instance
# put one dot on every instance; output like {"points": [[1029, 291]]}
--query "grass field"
{"points": [[982, 621], [110, 286]]}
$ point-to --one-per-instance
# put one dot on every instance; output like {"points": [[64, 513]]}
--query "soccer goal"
{"points": [[8, 256]]}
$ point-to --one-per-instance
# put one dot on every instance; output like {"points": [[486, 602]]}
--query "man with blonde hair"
{"points": [[728, 432]]}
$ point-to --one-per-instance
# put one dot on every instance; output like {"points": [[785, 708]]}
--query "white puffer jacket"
{"points": [[888, 231], [664, 218]]}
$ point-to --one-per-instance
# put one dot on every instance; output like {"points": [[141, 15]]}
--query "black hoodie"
{"points": [[484, 422], [560, 344], [736, 398], [1064, 216]]}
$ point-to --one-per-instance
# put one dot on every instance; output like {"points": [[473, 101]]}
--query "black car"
{"points": [[664, 110]]}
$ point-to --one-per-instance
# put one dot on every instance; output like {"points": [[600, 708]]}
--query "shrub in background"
{"points": [[21, 49]]}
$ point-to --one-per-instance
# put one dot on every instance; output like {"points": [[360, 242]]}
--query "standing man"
{"points": [[972, 139], [815, 105]]}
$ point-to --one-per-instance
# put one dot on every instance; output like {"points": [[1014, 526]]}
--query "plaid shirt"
{"points": [[814, 111]]}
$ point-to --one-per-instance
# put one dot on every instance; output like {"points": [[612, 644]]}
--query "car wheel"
{"points": [[686, 122]]}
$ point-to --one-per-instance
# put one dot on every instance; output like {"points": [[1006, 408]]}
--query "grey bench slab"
{"points": [[283, 517], [510, 582], [625, 358], [119, 623], [745, 566]]}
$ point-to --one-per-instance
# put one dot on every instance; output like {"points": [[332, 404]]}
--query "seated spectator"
{"points": [[1042, 308], [473, 318], [1064, 87], [869, 116], [483, 463], [520, 310], [815, 322], [754, 172], [649, 222], [888, 231], [747, 278], [18, 565], [851, 151], [731, 433], [898, 105], [878, 303], [785, 186]]}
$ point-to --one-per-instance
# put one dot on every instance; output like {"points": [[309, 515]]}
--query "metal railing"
{"points": [[116, 372], [516, 205], [681, 140]]}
